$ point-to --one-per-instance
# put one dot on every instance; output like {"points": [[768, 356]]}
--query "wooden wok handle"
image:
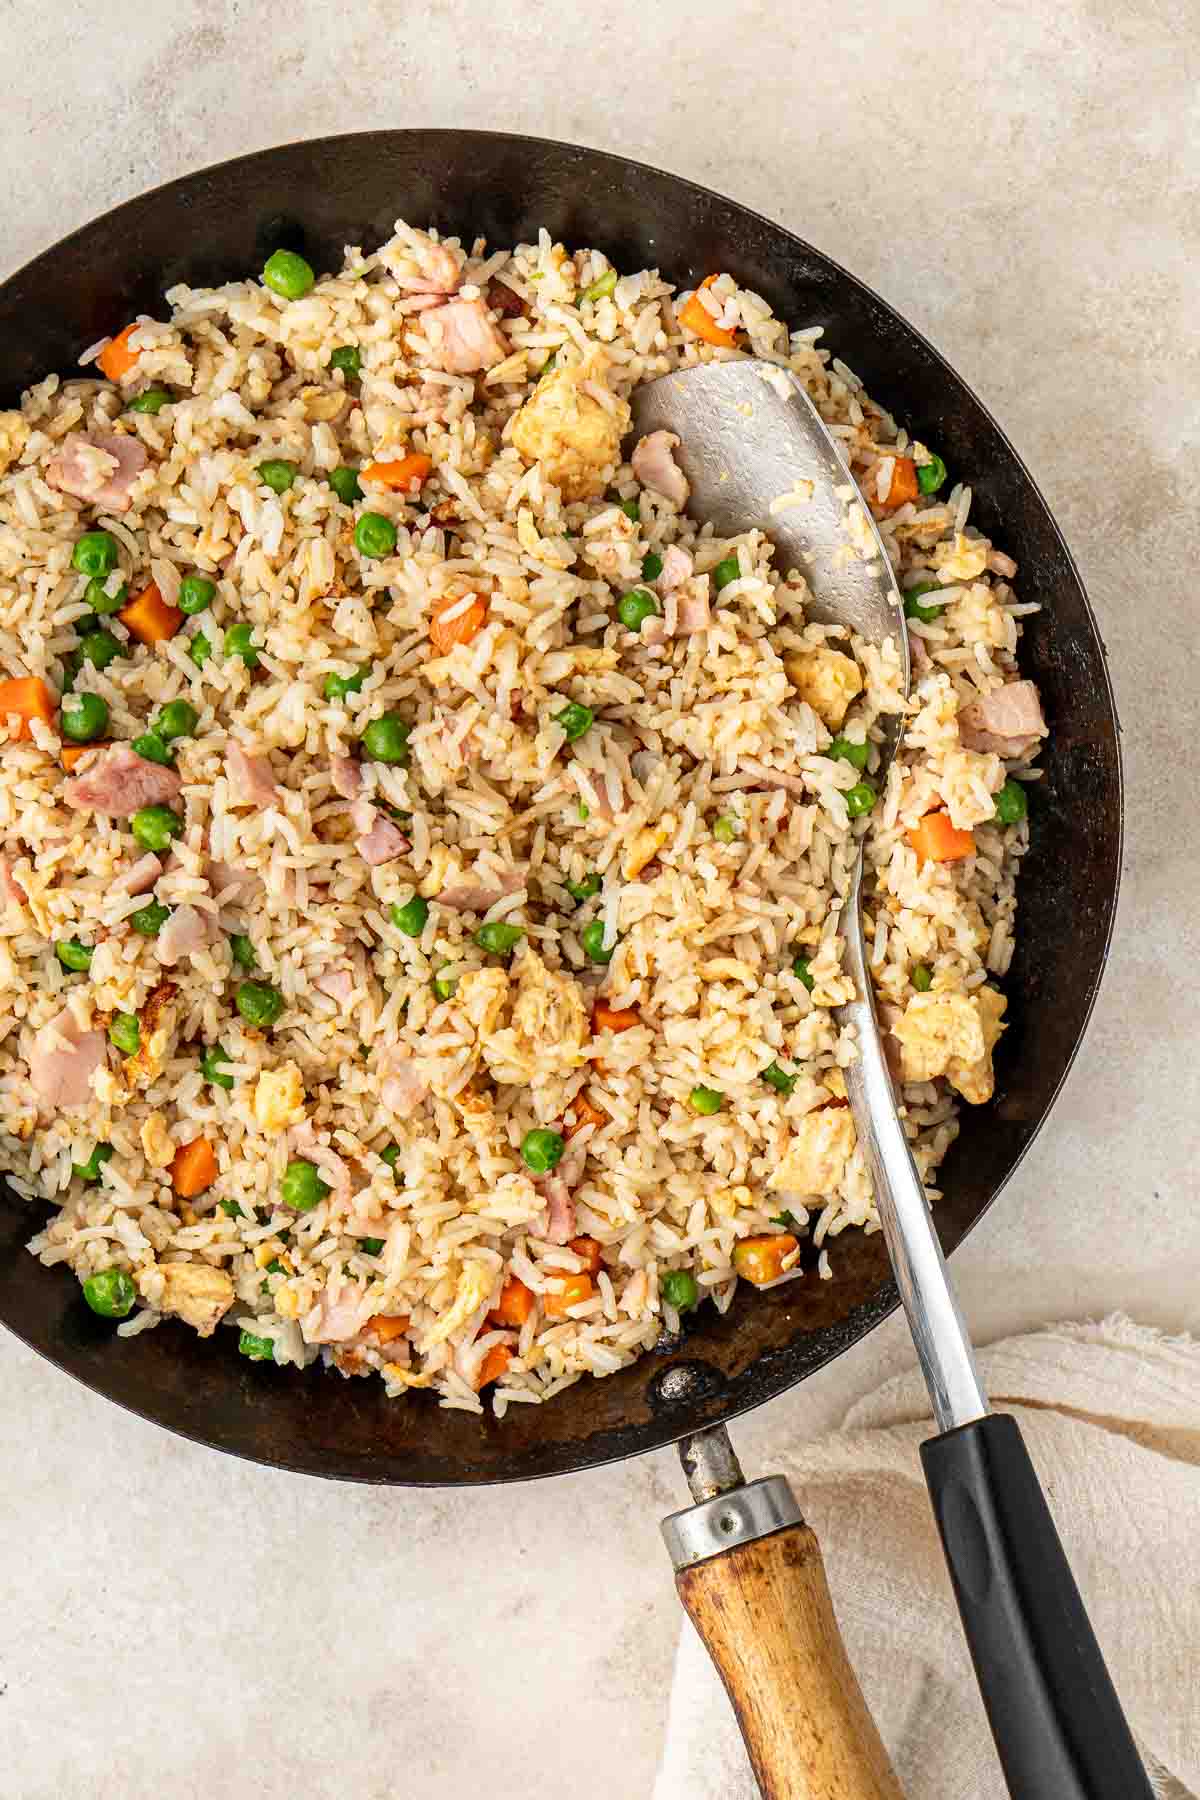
{"points": [[764, 1613]]}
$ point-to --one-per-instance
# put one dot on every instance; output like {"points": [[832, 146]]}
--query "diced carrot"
{"points": [[935, 839], [194, 1168], [71, 753], [493, 1365], [387, 1326], [590, 1249], [614, 1018], [444, 633], [585, 1114], [516, 1304], [405, 473], [30, 698], [696, 316], [149, 618], [575, 1288], [761, 1259], [116, 358], [903, 486]]}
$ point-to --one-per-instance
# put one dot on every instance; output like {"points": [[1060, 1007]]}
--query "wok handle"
{"points": [[765, 1617], [1054, 1713]]}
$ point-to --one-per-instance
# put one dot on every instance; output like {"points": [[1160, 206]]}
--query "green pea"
{"points": [[786, 1220], [302, 1188], [344, 482], [90, 1170], [84, 718], [860, 799], [125, 1033], [410, 918], [1012, 803], [153, 827], [230, 1208], [149, 920], [582, 810], [914, 607], [95, 553], [195, 593], [575, 720], [239, 641], [151, 401], [585, 889], [100, 600], [604, 284], [541, 1150], [779, 1079], [210, 1067], [385, 740], [499, 939], [370, 1246], [242, 951], [846, 750], [277, 473], [391, 1156], [338, 686], [258, 1349], [679, 1289], [288, 275], [151, 747], [801, 971], [922, 978], [199, 649], [347, 358], [932, 474], [632, 510], [636, 608], [725, 830], [99, 648], [727, 570], [111, 1293], [592, 939], [73, 955], [445, 986], [259, 1003], [374, 535], [706, 1100], [652, 566], [177, 719]]}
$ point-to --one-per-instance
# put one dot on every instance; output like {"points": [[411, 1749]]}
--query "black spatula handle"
{"points": [[1054, 1713]]}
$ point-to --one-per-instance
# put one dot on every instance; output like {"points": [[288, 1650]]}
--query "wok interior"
{"points": [[221, 224]]}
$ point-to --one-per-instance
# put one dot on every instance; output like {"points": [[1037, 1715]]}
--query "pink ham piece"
{"points": [[1007, 722], [482, 895], [100, 468], [120, 783], [11, 891], [345, 776], [676, 568], [333, 1321], [63, 1060], [186, 930], [438, 269], [464, 339], [250, 779], [382, 843], [695, 613], [656, 468], [140, 876], [558, 1221], [338, 985], [230, 884], [403, 1086]]}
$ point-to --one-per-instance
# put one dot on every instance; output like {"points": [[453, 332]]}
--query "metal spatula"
{"points": [[757, 454]]}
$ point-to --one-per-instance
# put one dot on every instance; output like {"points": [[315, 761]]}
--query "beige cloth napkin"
{"points": [[1111, 1415]]}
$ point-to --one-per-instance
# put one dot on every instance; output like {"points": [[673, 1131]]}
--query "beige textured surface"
{"points": [[203, 1629]]}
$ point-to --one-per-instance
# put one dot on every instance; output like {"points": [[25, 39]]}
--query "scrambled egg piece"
{"points": [[815, 1160], [474, 1287], [481, 996], [953, 1035], [547, 1028], [157, 1147], [279, 1098], [960, 559], [645, 845], [194, 1292], [726, 1202], [827, 679], [14, 435], [574, 437], [156, 1022]]}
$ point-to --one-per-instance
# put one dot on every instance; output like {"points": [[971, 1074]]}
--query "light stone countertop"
{"points": [[176, 1623]]}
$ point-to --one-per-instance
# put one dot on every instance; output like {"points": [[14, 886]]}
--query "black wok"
{"points": [[220, 224]]}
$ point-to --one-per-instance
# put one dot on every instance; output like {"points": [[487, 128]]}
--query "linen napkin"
{"points": [[1111, 1415]]}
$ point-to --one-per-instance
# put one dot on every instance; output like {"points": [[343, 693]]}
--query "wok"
{"points": [[220, 224]]}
